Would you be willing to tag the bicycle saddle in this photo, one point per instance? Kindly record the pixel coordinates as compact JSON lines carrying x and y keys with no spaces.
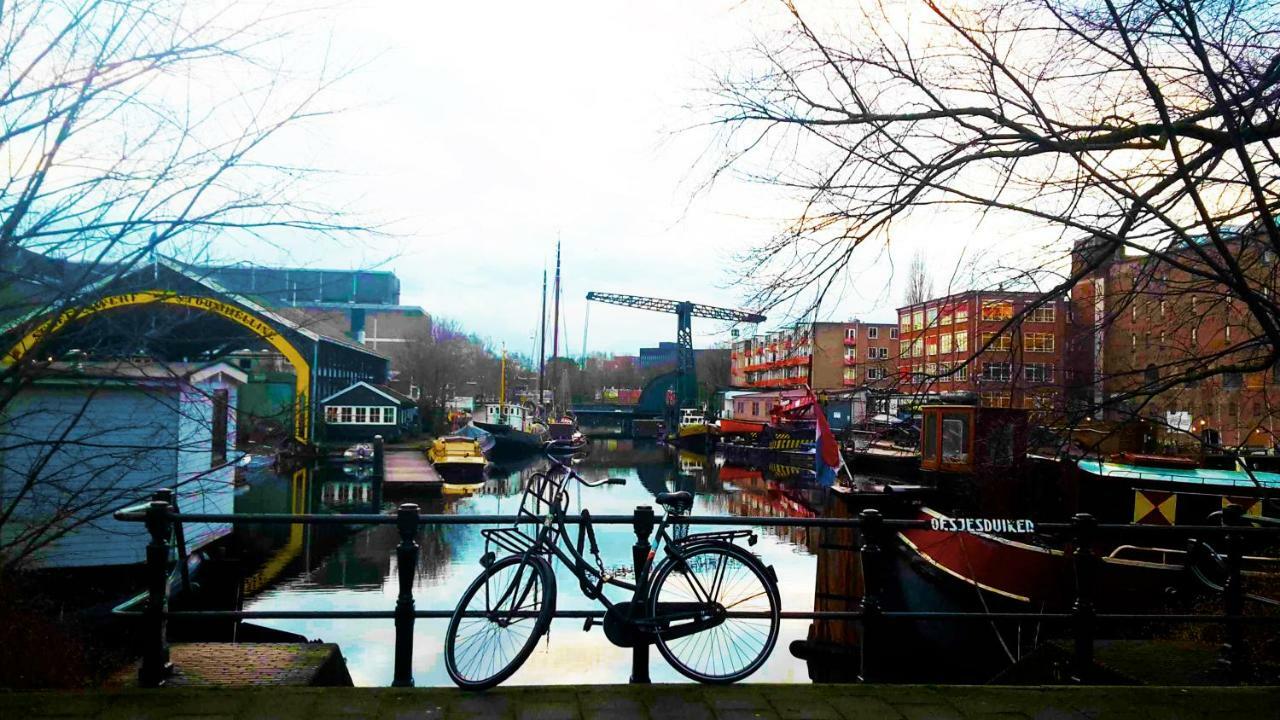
{"x":682,"y":500}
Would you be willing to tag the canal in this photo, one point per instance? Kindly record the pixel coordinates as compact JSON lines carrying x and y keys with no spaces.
{"x":330,"y":568}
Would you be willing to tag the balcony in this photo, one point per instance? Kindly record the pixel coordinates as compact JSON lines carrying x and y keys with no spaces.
{"x":850,"y":342}
{"x":850,"y":361}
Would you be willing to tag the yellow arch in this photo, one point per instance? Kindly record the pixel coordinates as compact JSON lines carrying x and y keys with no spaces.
{"x":261,"y":328}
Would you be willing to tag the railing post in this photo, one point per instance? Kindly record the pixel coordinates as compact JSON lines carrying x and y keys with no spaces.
{"x":1233,"y":655}
{"x":642,"y":522}
{"x":1085,"y":525}
{"x":179,"y":536}
{"x":870,"y":525}
{"x":155,"y":644}
{"x":379,"y":458}
{"x":406,"y":564}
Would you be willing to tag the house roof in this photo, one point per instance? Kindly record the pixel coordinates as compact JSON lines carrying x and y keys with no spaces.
{"x":383,"y":390}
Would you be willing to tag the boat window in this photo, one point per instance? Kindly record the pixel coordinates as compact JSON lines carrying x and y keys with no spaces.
{"x":955,"y":439}
{"x":929,"y":437}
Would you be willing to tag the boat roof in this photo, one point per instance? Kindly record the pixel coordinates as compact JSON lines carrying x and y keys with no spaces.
{"x":1196,"y":476}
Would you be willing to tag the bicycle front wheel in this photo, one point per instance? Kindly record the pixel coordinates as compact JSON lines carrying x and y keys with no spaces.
{"x":498,"y":621}
{"x":726,"y":575}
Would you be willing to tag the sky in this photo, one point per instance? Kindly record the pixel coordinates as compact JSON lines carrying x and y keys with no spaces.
{"x":476,"y":134}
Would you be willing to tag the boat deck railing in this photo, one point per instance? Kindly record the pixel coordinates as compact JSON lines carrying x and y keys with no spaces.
{"x":875,"y":533}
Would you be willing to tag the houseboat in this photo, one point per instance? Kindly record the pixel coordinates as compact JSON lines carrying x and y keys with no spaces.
{"x":514,"y":428}
{"x":458,"y":460}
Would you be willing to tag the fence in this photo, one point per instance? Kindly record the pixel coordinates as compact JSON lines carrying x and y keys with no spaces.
{"x":163,"y":522}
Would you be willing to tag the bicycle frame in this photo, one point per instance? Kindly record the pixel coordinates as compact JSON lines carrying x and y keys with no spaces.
{"x":545,"y":499}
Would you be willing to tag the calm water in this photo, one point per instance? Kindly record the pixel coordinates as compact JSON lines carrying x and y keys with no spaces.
{"x":324,"y":568}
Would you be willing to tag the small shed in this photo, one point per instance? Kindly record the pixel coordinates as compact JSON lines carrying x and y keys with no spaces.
{"x":359,"y":412}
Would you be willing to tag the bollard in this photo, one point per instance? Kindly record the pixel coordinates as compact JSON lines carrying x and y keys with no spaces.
{"x":870,"y":524}
{"x":379,"y":458}
{"x":155,"y":645}
{"x":642,"y":523}
{"x":1233,"y":656}
{"x":406,"y":564}
{"x":1082,"y":610}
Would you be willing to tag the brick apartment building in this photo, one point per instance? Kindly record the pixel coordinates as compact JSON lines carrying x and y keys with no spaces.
{"x":999,"y":345}
{"x":824,"y":355}
{"x":1141,"y":323}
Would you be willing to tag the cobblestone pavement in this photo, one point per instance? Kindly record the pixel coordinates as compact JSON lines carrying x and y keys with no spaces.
{"x":666,"y":702}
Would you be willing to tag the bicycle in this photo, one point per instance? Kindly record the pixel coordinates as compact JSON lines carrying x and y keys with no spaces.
{"x":711,"y":607}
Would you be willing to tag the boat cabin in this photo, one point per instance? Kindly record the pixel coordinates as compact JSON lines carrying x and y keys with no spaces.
{"x":970,"y":439}
{"x":513,"y":416}
{"x":361,"y":411}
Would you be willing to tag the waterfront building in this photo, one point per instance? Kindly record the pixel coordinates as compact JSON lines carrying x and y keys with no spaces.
{"x":98,"y":436}
{"x":823,"y":355}
{"x":1006,"y":348}
{"x":1144,"y":323}
{"x":358,"y":413}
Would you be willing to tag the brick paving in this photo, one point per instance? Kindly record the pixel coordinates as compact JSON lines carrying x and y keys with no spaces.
{"x":656,"y":702}
{"x":249,"y":664}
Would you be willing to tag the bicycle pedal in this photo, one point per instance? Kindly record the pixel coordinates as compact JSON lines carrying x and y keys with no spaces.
{"x":586,"y":624}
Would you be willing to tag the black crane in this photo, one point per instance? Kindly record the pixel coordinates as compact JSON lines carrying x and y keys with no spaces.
{"x":685,"y":311}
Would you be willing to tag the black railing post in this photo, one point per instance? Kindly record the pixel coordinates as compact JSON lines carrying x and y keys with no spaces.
{"x":1083,"y":611}
{"x":1233,"y":656}
{"x":155,"y":644}
{"x":171,"y":497}
{"x":870,"y":525}
{"x":642,"y":522}
{"x":379,"y":458}
{"x":406,"y":564}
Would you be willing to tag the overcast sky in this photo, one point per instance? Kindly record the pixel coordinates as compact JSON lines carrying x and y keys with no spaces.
{"x":479,"y":132}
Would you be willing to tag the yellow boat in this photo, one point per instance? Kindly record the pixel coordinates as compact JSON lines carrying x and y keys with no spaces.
{"x":458,"y":460}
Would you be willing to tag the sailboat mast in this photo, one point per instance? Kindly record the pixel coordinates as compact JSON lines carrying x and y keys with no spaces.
{"x":542,"y":334}
{"x":502,"y":380}
{"x":555,"y":315}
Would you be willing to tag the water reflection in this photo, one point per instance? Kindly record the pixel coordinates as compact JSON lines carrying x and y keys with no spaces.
{"x":317,"y":567}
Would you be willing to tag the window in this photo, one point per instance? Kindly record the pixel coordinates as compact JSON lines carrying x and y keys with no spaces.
{"x":872,"y":353}
{"x":740,"y":407}
{"x":873,"y":333}
{"x":851,"y":333}
{"x":1232,"y":380}
{"x":917,"y":373}
{"x":905,"y":322}
{"x":1038,"y":372}
{"x":349,"y":415}
{"x":945,"y":318}
{"x":962,"y":313}
{"x":962,"y":341}
{"x":755,"y":408}
{"x":1038,"y":342}
{"x":884,"y":353}
{"x":1003,"y":342}
{"x":1041,"y":315}
{"x":875,"y":373}
{"x":962,"y":373}
{"x":945,"y":342}
{"x":851,"y":373}
{"x":931,"y":317}
{"x":996,"y":371}
{"x":917,"y":347}
{"x":218,"y":433}
{"x":995,"y":400}
{"x":893,"y":333}
{"x":1151,"y":374}
{"x":944,"y":371}
{"x":917,"y":319}
{"x":931,"y":346}
{"x":1195,"y":336}
{"x":955,"y":438}
{"x":997,"y":310}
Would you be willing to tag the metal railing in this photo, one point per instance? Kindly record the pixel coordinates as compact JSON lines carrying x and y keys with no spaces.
{"x":163,"y":522}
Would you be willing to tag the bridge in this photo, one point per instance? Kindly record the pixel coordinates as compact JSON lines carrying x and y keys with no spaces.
{"x":166,"y":311}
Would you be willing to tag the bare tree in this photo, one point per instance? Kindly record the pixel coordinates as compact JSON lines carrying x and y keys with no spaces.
{"x":130,"y":128}
{"x":1121,"y":127}
{"x":919,"y":284}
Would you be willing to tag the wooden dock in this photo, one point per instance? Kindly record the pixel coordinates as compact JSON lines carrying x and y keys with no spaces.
{"x":408,"y":470}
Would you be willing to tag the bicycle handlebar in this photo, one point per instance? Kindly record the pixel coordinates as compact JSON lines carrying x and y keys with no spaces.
{"x":557,"y":464}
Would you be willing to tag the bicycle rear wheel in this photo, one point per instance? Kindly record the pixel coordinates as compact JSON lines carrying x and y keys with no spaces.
{"x":726,"y":575}
{"x":498,"y":621}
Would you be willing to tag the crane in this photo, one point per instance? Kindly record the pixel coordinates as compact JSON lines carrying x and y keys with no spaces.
{"x":685,"y":311}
